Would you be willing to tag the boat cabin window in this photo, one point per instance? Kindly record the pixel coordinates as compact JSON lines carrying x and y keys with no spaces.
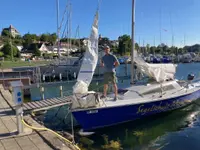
{"x":158,"y":89}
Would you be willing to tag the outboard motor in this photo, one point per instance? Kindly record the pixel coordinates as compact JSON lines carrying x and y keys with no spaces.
{"x":190,"y":77}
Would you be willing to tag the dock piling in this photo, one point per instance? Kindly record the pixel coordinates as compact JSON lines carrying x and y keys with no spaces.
{"x":42,"y":92}
{"x":61,"y":91}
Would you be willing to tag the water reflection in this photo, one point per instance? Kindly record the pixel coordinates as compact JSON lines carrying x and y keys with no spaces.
{"x":147,"y":133}
{"x":173,"y":130}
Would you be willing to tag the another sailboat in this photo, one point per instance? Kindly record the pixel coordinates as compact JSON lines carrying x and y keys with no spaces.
{"x":136,"y":101}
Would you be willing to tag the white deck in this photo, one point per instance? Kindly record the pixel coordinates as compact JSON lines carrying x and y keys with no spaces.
{"x":139,"y":94}
{"x":150,"y":93}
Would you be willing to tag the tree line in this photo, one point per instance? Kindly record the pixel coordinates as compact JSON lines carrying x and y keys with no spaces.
{"x":123,"y":47}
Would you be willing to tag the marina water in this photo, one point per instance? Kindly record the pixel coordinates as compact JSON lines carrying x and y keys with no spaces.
{"x":176,"y":130}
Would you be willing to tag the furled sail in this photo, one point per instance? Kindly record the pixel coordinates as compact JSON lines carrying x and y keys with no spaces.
{"x":89,"y":61}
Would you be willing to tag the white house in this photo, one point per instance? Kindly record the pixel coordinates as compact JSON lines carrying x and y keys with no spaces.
{"x":1,"y":46}
{"x":43,"y":48}
{"x":28,"y":52}
{"x":19,"y":48}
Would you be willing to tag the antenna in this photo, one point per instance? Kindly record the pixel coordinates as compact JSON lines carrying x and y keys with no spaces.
{"x":184,"y":40}
{"x":172,"y":30}
{"x":154,"y":45}
{"x":160,"y":24}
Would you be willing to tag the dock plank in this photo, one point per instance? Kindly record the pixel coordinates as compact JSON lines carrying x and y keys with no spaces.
{"x":47,"y":102}
{"x":38,"y":141}
{"x":54,"y":101}
{"x":35,"y":104}
{"x":1,"y":146}
{"x":31,"y":106}
{"x":9,"y":123}
{"x":3,"y":129}
{"x":42,"y":140}
{"x":25,"y":143}
{"x":57,"y":143}
{"x":26,"y":106}
{"x":50,"y":101}
{"x":43,"y":103}
{"x":39,"y":103}
{"x":10,"y":144}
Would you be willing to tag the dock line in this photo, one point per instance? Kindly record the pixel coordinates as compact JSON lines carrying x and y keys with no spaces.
{"x":36,"y":128}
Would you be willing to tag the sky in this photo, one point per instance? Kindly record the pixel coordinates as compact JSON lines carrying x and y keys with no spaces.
{"x":156,"y":21}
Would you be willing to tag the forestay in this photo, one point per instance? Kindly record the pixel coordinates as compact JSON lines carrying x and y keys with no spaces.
{"x":89,"y":61}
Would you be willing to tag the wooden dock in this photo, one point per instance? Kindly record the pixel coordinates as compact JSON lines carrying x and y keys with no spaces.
{"x":43,"y":140}
{"x":46,"y":104}
{"x":37,"y":105}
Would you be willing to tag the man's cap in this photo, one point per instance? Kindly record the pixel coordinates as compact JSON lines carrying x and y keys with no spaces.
{"x":107,"y":47}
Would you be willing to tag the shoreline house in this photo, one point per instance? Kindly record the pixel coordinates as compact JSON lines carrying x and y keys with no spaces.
{"x":1,"y":44}
{"x":19,"y":48}
{"x":65,"y":48}
{"x":31,"y":49}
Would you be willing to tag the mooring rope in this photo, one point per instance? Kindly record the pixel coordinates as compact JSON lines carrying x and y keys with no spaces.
{"x":55,"y":133}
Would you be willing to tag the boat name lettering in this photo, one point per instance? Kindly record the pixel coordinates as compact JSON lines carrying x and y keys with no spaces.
{"x":92,"y":111}
{"x":161,"y":107}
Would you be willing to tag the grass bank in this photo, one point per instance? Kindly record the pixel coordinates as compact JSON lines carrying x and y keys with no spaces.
{"x":11,"y":64}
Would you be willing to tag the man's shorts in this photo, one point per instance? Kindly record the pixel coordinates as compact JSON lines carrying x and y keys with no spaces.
{"x":110,"y":77}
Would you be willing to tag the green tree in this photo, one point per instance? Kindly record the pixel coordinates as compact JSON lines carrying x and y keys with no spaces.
{"x":1,"y":54}
{"x":137,"y":47}
{"x":29,"y":39}
{"x":124,"y":44}
{"x":180,"y":51}
{"x":9,"y":50}
{"x":52,"y":38}
{"x":36,"y":50}
{"x":166,"y":49}
{"x":44,"y":37}
{"x":152,"y":49}
{"x":5,"y":32}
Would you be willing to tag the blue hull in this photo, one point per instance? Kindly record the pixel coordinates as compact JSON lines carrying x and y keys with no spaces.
{"x":91,"y":119}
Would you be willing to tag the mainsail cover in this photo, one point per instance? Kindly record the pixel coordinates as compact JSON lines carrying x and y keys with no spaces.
{"x":89,"y":61}
{"x":160,"y":72}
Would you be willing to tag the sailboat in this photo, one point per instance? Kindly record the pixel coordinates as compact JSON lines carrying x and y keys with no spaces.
{"x":135,"y":101}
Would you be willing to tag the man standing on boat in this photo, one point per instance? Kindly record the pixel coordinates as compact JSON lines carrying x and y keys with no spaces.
{"x":109,"y":62}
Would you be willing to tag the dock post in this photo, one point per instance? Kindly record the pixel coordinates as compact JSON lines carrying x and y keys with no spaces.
{"x":74,"y":75}
{"x":17,"y":95}
{"x":61,"y":91}
{"x":43,"y":77}
{"x":42,"y":92}
{"x":60,"y":75}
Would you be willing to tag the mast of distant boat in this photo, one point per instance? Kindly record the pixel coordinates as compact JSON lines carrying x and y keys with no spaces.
{"x":58,"y":30}
{"x":133,"y":42}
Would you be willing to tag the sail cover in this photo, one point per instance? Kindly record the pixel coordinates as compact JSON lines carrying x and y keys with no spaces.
{"x":89,"y":61}
{"x":160,"y":72}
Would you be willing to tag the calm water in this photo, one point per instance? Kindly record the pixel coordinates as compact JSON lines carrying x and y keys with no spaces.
{"x":176,"y":130}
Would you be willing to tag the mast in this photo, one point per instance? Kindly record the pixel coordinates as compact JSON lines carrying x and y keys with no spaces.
{"x":70,"y":16}
{"x":58,"y":31}
{"x":133,"y":42}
